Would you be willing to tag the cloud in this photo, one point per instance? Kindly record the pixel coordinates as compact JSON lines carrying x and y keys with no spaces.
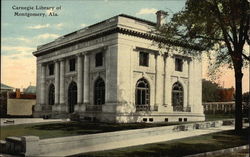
{"x":83,"y":25}
{"x":18,"y":39}
{"x":39,"y":26}
{"x":145,"y":11}
{"x":24,"y":39}
{"x":59,"y":25}
{"x":47,"y":36}
{"x":17,"y":49}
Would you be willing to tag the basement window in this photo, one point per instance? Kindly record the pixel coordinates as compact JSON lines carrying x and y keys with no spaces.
{"x":151,"y":119}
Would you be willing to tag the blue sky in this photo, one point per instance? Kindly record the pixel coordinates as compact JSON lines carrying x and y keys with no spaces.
{"x":21,"y":35}
{"x":72,"y":16}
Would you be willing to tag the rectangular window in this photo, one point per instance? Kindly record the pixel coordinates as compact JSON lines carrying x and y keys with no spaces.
{"x":99,"y":59}
{"x":72,"y":64}
{"x":143,"y":59}
{"x":51,"y":69}
{"x":178,"y":64}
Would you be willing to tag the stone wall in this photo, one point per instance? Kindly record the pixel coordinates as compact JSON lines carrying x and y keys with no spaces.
{"x":20,"y":107}
{"x":33,"y":146}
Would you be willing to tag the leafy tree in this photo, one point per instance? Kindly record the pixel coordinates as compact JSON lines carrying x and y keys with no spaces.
{"x":218,"y":26}
{"x":210,"y":91}
{"x":246,"y":99}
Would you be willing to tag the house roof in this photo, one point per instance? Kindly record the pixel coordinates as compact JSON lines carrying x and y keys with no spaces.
{"x":30,"y":90}
{"x":3,"y":86}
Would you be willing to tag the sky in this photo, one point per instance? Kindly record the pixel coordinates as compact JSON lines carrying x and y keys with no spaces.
{"x":20,"y":35}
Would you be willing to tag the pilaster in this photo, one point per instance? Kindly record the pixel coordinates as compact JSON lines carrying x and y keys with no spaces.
{"x":86,"y":79}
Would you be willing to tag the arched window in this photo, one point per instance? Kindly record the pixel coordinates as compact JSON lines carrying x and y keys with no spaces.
{"x":51,"y":94}
{"x":142,"y":95}
{"x":177,"y":97}
{"x":99,"y":92}
{"x":72,"y":96}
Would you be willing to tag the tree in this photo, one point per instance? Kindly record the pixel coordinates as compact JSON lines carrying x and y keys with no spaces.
{"x":218,"y":26}
{"x":210,"y":91}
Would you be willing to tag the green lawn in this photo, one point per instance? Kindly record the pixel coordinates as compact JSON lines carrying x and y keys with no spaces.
{"x":51,"y":130}
{"x":211,"y":117}
{"x":55,"y":129}
{"x":181,"y":147}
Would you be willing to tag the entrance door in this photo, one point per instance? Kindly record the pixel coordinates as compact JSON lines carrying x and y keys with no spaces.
{"x":72,"y":96}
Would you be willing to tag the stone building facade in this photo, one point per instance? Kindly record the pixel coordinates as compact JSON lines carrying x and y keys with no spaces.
{"x":113,"y":71}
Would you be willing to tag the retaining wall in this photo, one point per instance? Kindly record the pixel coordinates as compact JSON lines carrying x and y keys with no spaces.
{"x":33,"y":146}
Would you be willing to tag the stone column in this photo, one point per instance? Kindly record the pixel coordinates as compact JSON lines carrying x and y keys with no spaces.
{"x":190,"y":84}
{"x":86,"y":79}
{"x":62,"y":71}
{"x":157,"y":77}
{"x":165,"y":81}
{"x":107,"y":70}
{"x":79,"y":79}
{"x":43,"y":76}
{"x":57,"y":81}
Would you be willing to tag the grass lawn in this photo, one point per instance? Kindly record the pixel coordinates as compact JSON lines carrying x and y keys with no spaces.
{"x":51,"y":130}
{"x":60,"y":129}
{"x":181,"y":147}
{"x":211,"y":117}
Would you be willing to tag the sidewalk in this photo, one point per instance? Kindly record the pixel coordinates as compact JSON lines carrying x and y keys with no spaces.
{"x":141,"y":141}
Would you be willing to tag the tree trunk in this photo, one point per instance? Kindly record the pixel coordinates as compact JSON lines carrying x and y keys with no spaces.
{"x":238,"y":97}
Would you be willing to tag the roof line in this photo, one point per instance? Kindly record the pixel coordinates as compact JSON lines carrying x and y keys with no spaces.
{"x":122,"y":15}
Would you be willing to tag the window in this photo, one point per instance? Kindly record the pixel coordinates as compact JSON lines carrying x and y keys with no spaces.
{"x":142,"y":95}
{"x":177,"y":97}
{"x":51,"y":69}
{"x":143,"y":59}
{"x":72,"y":96}
{"x":72,"y":64}
{"x":51,"y":94}
{"x":99,"y":92}
{"x":99,"y":59}
{"x":178,"y":64}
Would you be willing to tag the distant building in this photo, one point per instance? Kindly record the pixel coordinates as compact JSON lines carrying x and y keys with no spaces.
{"x":18,"y":104}
{"x":30,"y":90}
{"x":226,"y":94}
{"x":6,"y":88}
{"x":113,"y":72}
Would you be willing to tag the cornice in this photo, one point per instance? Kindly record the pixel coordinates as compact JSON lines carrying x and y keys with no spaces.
{"x":74,"y":42}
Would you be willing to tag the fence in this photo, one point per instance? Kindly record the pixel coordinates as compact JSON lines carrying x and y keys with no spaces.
{"x":223,"y":107}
